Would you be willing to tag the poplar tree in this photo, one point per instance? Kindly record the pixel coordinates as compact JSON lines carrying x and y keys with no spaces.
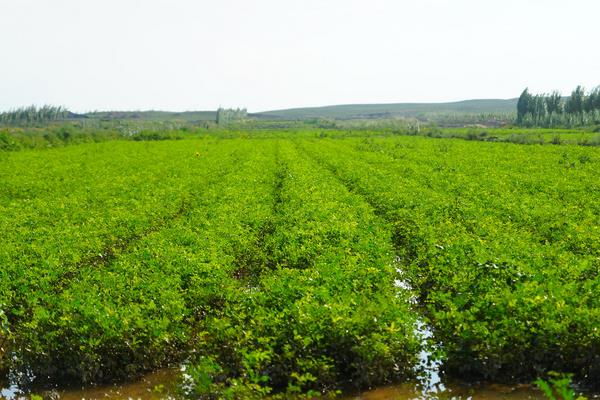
{"x":593,"y":99}
{"x":524,"y":105}
{"x":575,"y":101}
{"x":554,"y":103}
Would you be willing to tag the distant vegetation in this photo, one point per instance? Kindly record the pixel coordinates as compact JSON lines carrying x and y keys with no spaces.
{"x":581,"y":108}
{"x":552,"y":110}
{"x":225,"y":115}
{"x":424,"y":111}
{"x":72,"y":133}
{"x":453,"y":114}
{"x":33,"y":115}
{"x":66,"y":133}
{"x":153,"y":115}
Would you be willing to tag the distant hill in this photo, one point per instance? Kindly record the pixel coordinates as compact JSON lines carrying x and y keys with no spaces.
{"x":344,"y":111}
{"x":373,"y":111}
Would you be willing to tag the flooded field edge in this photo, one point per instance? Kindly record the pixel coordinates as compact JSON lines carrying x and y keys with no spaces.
{"x":163,"y":384}
{"x":166,"y":384}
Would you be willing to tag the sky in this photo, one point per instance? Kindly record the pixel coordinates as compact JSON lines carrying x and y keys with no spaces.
{"x":183,"y":55}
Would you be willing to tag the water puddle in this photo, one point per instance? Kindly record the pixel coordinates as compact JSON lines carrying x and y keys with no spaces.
{"x":163,"y":385}
{"x":451,"y":392}
{"x":13,"y":388}
{"x":429,"y":382}
{"x":158,"y":385}
{"x":428,"y":369}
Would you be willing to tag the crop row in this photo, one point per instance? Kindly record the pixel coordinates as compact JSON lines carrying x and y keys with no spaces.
{"x":320,"y":310}
{"x":500,"y":242}
{"x":247,"y":260}
{"x":269,"y":265}
{"x":88,"y":205}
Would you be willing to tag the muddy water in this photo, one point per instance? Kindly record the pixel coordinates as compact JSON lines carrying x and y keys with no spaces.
{"x":157,"y":385}
{"x":489,"y":392}
{"x":162,"y":385}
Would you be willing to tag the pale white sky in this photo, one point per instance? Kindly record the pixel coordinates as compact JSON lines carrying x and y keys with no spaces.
{"x":270,"y":54}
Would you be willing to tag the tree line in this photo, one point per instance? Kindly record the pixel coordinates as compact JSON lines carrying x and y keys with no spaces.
{"x":580,"y":108}
{"x":225,"y":115}
{"x":33,"y":115}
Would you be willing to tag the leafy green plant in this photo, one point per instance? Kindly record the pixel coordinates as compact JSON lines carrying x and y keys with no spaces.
{"x":271,"y":261}
{"x":559,"y":387}
{"x":502,"y":283}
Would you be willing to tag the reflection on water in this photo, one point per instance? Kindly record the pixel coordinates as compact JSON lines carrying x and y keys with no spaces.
{"x":155,"y":386}
{"x":488,"y":392}
{"x":428,"y":368}
{"x":429,"y":382}
{"x":13,"y":388}
{"x":10,"y":392}
{"x":163,"y":385}
{"x":158,"y":385}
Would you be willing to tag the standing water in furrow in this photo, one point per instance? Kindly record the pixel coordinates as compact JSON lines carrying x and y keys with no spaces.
{"x":427,"y":370}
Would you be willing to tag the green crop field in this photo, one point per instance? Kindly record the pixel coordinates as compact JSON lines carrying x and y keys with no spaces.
{"x":290,"y":264}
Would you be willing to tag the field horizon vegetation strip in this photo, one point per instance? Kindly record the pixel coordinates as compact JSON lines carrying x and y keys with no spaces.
{"x":268,"y":262}
{"x":61,"y":134}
